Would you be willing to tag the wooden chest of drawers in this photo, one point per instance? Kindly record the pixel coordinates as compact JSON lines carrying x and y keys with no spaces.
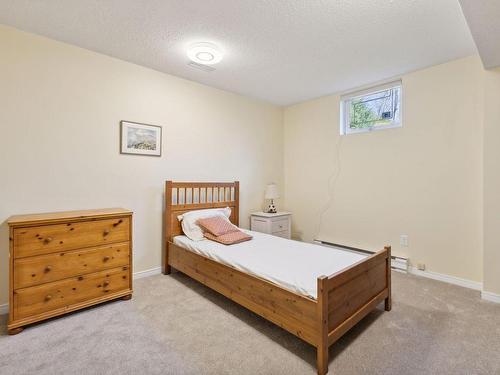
{"x":65,"y":261}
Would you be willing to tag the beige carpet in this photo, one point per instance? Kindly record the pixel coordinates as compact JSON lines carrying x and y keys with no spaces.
{"x":174,"y":325}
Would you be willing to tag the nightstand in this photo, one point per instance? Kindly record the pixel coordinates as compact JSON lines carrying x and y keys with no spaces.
{"x":278,"y":224}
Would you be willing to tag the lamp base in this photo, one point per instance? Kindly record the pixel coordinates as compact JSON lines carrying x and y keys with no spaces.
{"x":271,"y":209}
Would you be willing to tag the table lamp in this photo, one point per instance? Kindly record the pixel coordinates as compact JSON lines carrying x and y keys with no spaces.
{"x":272,"y":194}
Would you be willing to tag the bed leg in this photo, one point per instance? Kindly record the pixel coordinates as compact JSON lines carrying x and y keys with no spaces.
{"x":388,"y":304}
{"x":322,"y":359}
{"x":166,"y":269}
{"x":322,"y":316}
{"x":388,"y":300}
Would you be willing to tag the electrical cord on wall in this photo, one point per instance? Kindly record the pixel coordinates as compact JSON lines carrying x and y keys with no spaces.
{"x":332,"y":181}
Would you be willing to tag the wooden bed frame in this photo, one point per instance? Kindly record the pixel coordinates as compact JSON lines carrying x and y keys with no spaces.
{"x":344,"y":298}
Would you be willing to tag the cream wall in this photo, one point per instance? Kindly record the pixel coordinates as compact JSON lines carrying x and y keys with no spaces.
{"x":59,"y":119}
{"x":492,"y":182}
{"x":423,"y":180}
{"x":61,"y":107}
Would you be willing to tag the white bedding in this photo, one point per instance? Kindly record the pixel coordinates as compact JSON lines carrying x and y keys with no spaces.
{"x":290,"y":264}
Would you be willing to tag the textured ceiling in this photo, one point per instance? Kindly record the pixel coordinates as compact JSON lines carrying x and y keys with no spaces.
{"x":483,"y":17}
{"x":281,"y":51}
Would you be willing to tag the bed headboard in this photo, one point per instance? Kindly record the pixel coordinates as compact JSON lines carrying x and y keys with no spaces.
{"x":182,"y":197}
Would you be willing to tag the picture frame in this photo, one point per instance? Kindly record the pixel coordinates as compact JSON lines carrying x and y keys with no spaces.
{"x":140,"y":139}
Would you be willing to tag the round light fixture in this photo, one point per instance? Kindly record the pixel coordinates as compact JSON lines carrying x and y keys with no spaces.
{"x":204,"y":53}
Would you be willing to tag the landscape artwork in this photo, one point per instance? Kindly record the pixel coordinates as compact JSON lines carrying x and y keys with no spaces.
{"x":140,"y":139}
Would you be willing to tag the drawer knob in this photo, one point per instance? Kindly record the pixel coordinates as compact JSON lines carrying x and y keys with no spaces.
{"x":106,"y":258}
{"x":48,"y":269}
{"x":118,"y":223}
{"x":48,"y":240}
{"x":48,"y":297}
{"x":105,"y":283}
{"x":106,"y":232}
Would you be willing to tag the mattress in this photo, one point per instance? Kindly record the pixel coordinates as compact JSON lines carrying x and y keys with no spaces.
{"x":292,"y":265}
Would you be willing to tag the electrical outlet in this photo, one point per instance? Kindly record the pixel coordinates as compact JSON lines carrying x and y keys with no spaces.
{"x":403,"y":240}
{"x":421,"y":266}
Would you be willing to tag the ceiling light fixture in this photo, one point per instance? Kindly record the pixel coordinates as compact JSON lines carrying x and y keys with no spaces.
{"x":204,"y":53}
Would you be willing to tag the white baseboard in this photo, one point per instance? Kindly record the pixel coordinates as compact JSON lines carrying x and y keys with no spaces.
{"x":147,"y":273}
{"x":447,"y":279}
{"x":4,"y":309}
{"x":492,"y":297}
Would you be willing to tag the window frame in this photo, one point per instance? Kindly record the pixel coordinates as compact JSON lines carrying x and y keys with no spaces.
{"x":345,"y":103}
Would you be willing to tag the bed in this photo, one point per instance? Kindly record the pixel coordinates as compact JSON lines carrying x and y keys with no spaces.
{"x":317,"y":302}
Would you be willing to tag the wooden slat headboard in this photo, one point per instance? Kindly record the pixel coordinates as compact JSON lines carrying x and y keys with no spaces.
{"x":182,"y":197}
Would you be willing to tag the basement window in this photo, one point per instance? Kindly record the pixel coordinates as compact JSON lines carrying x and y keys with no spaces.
{"x":375,"y":108}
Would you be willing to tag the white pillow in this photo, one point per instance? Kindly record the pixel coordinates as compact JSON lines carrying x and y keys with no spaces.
{"x":188,"y":221}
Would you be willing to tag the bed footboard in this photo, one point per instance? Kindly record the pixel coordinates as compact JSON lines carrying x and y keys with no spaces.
{"x":344,"y":298}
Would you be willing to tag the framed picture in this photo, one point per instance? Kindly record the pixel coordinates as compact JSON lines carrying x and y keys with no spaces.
{"x":140,"y":139}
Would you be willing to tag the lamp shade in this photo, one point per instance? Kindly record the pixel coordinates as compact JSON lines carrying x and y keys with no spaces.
{"x":272,"y":192}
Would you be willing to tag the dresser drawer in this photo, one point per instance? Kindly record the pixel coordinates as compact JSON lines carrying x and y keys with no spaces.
{"x":56,"y":266}
{"x":279,"y":225}
{"x":59,"y":237}
{"x":39,"y":299}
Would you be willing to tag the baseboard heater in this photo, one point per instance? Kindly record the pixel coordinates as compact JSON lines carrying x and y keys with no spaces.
{"x":397,"y":263}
